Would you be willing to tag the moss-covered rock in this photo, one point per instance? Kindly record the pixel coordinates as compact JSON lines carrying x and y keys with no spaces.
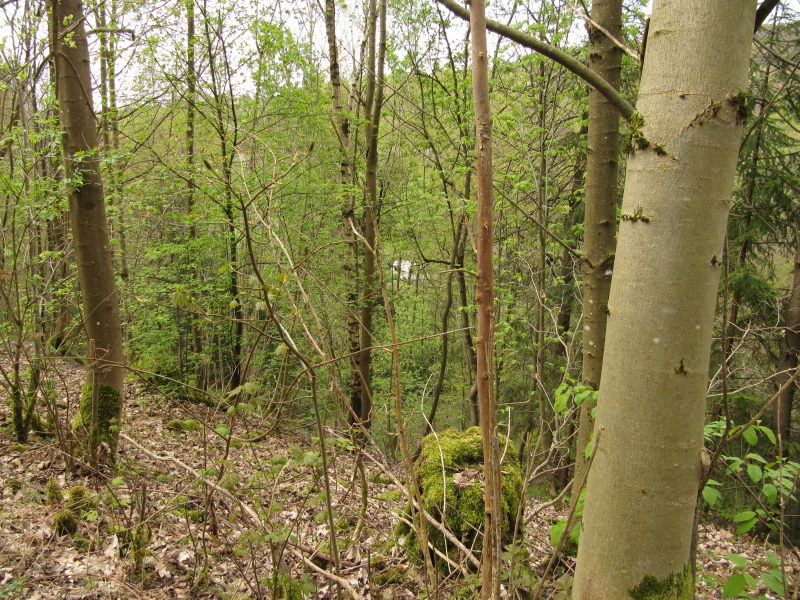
{"x":53,"y":492}
{"x":450,"y":473}
{"x":109,"y":411}
{"x":79,"y":499}
{"x":66,"y":522}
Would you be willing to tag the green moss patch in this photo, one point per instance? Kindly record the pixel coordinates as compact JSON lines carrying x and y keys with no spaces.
{"x":109,"y":410}
{"x":678,"y":586}
{"x":66,"y":522}
{"x":450,"y":472}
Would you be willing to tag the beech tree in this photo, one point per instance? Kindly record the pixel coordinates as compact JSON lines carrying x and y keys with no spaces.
{"x":101,"y":403}
{"x":600,"y":214}
{"x":642,"y":486}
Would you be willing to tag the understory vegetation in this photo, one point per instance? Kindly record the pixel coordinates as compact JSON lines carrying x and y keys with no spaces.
{"x":295,"y":259}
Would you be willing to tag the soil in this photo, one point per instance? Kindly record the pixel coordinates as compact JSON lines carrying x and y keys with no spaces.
{"x":190,"y":512}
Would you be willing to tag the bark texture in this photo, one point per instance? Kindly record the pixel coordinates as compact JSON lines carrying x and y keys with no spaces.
{"x":642,"y":487}
{"x":490,"y":556}
{"x":600,"y":221}
{"x":787,"y":363}
{"x":346,"y":178}
{"x":87,"y":210}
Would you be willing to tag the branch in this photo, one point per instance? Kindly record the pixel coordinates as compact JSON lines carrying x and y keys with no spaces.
{"x":767,"y":6}
{"x":570,"y":63}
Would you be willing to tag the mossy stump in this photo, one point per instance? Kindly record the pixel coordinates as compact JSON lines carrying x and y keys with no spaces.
{"x":450,"y":474}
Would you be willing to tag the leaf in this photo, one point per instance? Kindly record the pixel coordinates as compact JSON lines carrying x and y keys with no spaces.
{"x":770,"y":492}
{"x":745,"y":515}
{"x":711,"y":495}
{"x":746,"y":526}
{"x":556,"y":531}
{"x":222,"y":429}
{"x":735,"y":585}
{"x":774,"y":580}
{"x":756,"y":457}
{"x":575,"y":534}
{"x":737,"y":559}
{"x":561,"y":399}
{"x":750,"y":436}
{"x":770,"y":436}
{"x":754,"y":473}
{"x":581,"y":398}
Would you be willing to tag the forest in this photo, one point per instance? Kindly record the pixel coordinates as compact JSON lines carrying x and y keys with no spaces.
{"x":399,"y":299}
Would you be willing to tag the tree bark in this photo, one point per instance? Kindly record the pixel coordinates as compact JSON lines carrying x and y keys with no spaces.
{"x":88,"y":219}
{"x":374,"y":104}
{"x":600,"y":221}
{"x":346,"y":178}
{"x":490,"y":554}
{"x":642,"y":487}
{"x":789,"y":349}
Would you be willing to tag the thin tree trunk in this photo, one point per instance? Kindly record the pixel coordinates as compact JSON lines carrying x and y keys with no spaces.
{"x":642,"y":486}
{"x":374,"y":104}
{"x":490,"y":555}
{"x":346,"y":178}
{"x":439,"y":385}
{"x":789,"y":348}
{"x":600,"y":220}
{"x":88,"y":218}
{"x":201,"y":375}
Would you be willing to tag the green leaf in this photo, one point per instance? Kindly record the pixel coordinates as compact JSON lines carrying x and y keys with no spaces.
{"x":556,"y":531}
{"x":581,"y":398}
{"x":737,"y":559}
{"x":575,"y":534}
{"x":750,"y":436}
{"x":745,"y":515}
{"x":711,"y":495}
{"x":735,"y":586}
{"x":756,"y":457}
{"x":561,"y":399}
{"x":746,"y":526}
{"x":770,"y":436}
{"x":223,"y":429}
{"x":770,"y":492}
{"x":774,"y":580}
{"x":754,"y":473}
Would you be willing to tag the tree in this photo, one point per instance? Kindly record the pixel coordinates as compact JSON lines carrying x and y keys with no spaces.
{"x":101,"y":404}
{"x":642,"y":487}
{"x":484,"y":298}
{"x":600,"y":217}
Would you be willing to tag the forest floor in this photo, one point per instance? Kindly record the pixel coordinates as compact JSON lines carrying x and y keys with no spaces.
{"x":188,"y":514}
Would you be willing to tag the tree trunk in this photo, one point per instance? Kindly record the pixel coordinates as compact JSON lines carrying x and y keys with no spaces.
{"x":89,"y":224}
{"x":374,"y":104}
{"x":346,"y":178}
{"x":789,"y":348}
{"x":600,"y":217}
{"x":490,"y":554}
{"x":642,"y":487}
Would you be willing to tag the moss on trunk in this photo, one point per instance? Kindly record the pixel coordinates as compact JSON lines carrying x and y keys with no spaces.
{"x":678,"y":586}
{"x":109,"y":410}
